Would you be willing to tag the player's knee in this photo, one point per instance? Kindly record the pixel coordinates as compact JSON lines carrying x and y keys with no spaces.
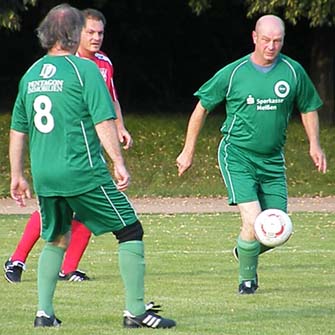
{"x":132,"y":232}
{"x":62,"y":241}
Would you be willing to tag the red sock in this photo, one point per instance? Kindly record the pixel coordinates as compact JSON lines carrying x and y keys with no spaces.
{"x":80,"y":236}
{"x":29,"y":237}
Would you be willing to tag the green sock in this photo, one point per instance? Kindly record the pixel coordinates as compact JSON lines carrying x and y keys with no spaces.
{"x":49,"y":265}
{"x":264,"y":248}
{"x":132,"y":268}
{"x":248,"y":252}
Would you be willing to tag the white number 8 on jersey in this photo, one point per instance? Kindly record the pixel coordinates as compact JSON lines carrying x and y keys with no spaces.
{"x":43,"y":119}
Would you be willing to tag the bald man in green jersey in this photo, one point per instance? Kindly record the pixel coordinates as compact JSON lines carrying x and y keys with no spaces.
{"x":260,"y":92}
{"x":63,"y":105}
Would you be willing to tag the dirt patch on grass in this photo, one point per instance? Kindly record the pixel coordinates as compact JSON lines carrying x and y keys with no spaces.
{"x":188,"y":205}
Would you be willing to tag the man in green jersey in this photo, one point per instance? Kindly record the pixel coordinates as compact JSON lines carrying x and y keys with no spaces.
{"x":63,"y":105}
{"x":260,"y":92}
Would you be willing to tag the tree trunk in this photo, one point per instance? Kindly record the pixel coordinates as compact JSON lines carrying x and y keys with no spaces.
{"x":322,"y":70}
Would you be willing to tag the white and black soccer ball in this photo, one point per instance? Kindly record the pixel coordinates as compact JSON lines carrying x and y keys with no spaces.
{"x":273,"y":227}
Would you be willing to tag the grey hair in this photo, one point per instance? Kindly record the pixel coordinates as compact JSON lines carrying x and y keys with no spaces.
{"x":62,"y":25}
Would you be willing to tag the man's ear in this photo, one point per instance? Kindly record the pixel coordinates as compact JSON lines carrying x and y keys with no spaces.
{"x":254,"y":36}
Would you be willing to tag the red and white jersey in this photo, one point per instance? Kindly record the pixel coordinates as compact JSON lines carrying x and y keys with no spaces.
{"x":106,"y":69}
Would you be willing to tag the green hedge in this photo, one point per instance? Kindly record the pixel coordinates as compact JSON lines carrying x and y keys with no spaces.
{"x":158,"y":139}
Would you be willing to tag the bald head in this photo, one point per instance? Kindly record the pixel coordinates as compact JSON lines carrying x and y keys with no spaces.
{"x":270,"y":22}
{"x":268,"y":38}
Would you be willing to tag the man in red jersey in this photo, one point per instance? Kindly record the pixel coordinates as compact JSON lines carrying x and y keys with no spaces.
{"x":90,"y":43}
{"x":91,"y":40}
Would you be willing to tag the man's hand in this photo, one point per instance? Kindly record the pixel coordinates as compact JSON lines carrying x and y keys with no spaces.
{"x":183,"y":162}
{"x":185,"y":159}
{"x":122,"y":177}
{"x":319,"y":158}
{"x":125,"y":138}
{"x":310,"y":121}
{"x":19,"y":190}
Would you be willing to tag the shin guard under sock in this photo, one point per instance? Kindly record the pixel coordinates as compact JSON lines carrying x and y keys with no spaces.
{"x":132,"y":268}
{"x":49,"y":265}
{"x":248,"y":252}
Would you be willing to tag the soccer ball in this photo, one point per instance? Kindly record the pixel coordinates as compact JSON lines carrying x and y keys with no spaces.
{"x":273,"y":227}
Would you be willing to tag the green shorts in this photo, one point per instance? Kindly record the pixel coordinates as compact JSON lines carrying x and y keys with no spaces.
{"x":102,"y":210}
{"x":253,"y":177}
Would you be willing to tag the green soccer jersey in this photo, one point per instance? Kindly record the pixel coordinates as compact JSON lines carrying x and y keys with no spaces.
{"x":60,"y":100}
{"x":258,"y":104}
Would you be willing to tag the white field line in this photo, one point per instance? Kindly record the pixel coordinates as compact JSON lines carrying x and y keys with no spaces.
{"x":223,"y":252}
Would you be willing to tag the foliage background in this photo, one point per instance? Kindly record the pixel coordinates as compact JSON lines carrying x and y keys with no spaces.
{"x":158,"y":139}
{"x":161,"y":50}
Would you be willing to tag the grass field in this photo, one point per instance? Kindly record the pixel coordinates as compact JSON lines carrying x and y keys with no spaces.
{"x":191,"y":272}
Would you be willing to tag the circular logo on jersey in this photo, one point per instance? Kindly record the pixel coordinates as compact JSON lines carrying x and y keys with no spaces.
{"x":282,"y":89}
